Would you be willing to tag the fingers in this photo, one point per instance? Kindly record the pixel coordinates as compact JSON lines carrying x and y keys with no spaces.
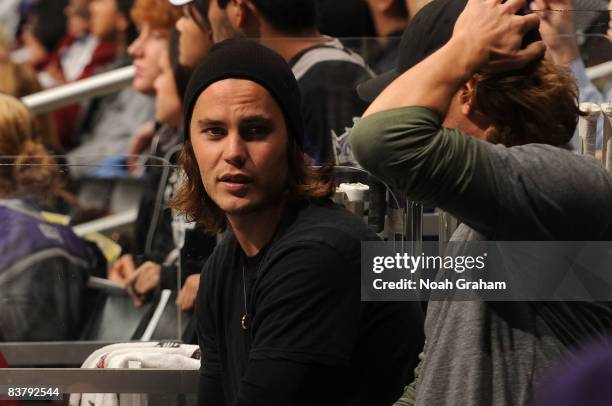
{"x":121,"y":269}
{"x":130,"y":284}
{"x":534,"y":51}
{"x":148,"y":278}
{"x":529,"y":22}
{"x":187,"y":296}
{"x":514,"y":6}
{"x":518,"y":60}
{"x":137,"y":302}
{"x":186,"y":299}
{"x":539,"y":5}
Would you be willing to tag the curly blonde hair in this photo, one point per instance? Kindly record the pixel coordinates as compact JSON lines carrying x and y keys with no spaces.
{"x":26,"y":168}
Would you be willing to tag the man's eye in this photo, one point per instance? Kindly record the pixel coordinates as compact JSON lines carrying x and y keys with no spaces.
{"x":254,"y":131}
{"x":214,"y":132}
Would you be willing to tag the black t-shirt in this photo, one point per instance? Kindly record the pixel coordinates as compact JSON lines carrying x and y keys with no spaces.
{"x":305,"y":316}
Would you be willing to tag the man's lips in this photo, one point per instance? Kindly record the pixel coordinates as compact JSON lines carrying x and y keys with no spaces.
{"x":236,"y":179}
{"x":236,"y":184}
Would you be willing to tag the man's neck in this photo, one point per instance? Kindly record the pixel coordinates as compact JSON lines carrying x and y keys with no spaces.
{"x":255,"y":230}
{"x":289,"y":45}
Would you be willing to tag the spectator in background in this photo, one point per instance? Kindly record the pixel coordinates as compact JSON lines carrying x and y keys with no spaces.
{"x":559,"y":33}
{"x":44,"y":266}
{"x":196,"y":36}
{"x":390,"y":18}
{"x":45,"y":27}
{"x":326,"y":71}
{"x":348,"y":20}
{"x":9,"y":19}
{"x":79,"y":53}
{"x":110,"y":22}
{"x":20,"y":80}
{"x":108,"y":123}
{"x":78,"y":56}
{"x":154,"y":19}
{"x":471,"y":76}
{"x":153,"y":246}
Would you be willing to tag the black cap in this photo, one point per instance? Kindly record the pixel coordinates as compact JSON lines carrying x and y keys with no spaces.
{"x":240,"y":58}
{"x":428,"y":31}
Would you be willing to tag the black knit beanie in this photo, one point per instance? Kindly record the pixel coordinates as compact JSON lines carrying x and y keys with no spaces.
{"x":240,"y":58}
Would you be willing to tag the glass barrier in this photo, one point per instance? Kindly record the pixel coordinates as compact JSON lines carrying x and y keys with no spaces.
{"x":103,"y":258}
{"x":93,"y":258}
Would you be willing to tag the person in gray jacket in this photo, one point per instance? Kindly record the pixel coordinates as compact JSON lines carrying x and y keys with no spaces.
{"x":430,"y":134}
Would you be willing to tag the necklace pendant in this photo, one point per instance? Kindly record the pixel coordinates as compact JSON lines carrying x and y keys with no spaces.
{"x":244,"y":323}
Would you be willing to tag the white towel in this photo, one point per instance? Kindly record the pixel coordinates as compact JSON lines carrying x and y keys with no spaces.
{"x":162,"y":355}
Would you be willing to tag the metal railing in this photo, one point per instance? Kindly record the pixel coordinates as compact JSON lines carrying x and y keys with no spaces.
{"x":65,"y":95}
{"x":599,"y":71}
{"x":49,"y":353}
{"x":126,"y":380}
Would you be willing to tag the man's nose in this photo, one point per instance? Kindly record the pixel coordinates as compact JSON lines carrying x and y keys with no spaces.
{"x":235,"y":151}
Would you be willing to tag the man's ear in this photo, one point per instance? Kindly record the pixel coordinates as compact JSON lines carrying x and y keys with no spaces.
{"x":384,"y":5}
{"x":240,"y":12}
{"x":466,"y":97}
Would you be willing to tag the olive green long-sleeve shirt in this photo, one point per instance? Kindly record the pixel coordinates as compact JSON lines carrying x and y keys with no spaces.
{"x":534,"y":191}
{"x":491,"y":353}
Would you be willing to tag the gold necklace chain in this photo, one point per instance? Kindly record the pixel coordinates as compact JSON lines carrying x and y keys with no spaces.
{"x":244,"y":321}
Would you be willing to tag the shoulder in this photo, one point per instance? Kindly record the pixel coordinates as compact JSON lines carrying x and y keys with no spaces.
{"x":548,"y":165}
{"x":331,"y":61}
{"x":567,"y":190}
{"x":46,"y":238}
{"x":323,"y":225}
{"x":223,"y":252}
{"x":336,"y":73}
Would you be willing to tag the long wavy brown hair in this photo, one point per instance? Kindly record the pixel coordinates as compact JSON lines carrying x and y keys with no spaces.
{"x":304,"y":182}
{"x":537,"y":104}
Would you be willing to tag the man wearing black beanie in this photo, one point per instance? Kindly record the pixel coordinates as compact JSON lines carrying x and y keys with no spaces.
{"x":279,"y":316}
{"x":327,"y":72}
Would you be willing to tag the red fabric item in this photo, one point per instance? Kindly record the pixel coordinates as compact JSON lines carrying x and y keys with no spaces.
{"x":4,"y":364}
{"x":65,"y":118}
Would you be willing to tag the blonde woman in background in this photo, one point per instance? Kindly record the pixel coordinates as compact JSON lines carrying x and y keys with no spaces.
{"x":43,"y":265}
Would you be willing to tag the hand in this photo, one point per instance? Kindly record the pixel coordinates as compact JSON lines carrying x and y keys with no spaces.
{"x":557,"y":29}
{"x":187,"y":296}
{"x":55,"y":72}
{"x":122,"y":269}
{"x":490,"y":33}
{"x":141,"y":140}
{"x":143,"y":280}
